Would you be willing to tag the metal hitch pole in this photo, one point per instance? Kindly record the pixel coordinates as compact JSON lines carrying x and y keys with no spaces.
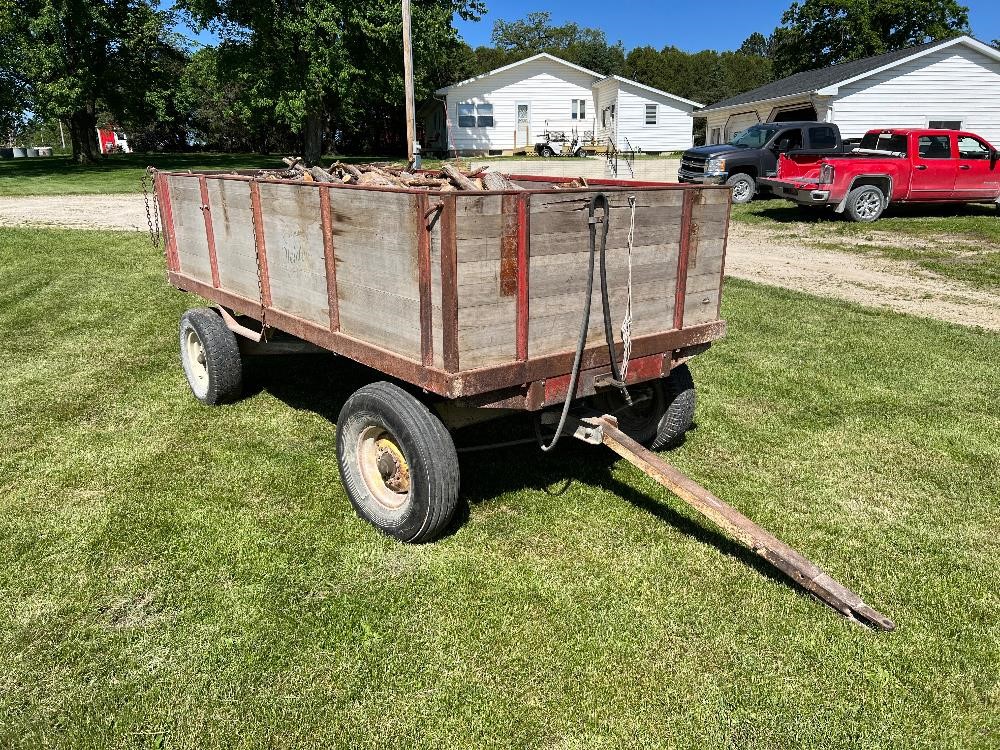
{"x":808,"y":575}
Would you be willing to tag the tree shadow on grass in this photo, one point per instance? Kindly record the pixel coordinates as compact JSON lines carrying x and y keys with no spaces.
{"x":321,"y":384}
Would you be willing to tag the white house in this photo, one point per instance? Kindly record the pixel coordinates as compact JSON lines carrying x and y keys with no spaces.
{"x":507,"y":109}
{"x":952,"y":84}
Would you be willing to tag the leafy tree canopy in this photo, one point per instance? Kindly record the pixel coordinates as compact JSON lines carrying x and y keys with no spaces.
{"x":818,"y":33}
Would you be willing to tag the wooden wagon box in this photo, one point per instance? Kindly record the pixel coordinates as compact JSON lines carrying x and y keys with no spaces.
{"x":475,"y":296}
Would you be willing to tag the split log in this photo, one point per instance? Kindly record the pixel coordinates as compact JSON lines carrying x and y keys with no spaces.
{"x":321,"y":175}
{"x":349,"y":169}
{"x":497,"y":181}
{"x":374,"y":178}
{"x":458,"y":179}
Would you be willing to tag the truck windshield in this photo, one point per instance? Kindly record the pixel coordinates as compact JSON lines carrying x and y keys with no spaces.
{"x":884,"y":142}
{"x":755,"y":136}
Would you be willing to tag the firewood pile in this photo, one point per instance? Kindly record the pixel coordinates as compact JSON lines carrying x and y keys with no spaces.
{"x":448,"y":178}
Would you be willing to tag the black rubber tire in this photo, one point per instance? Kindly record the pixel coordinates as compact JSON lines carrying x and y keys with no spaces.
{"x":221,"y":373}
{"x":854,"y":211}
{"x":667,"y":410}
{"x":679,"y":414}
{"x":741,"y":196}
{"x":427,"y":508}
{"x":547,"y":152}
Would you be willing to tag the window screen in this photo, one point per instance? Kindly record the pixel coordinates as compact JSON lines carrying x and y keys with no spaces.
{"x":934,"y":147}
{"x":650,"y":114}
{"x":822,"y":137}
{"x":467,"y":115}
{"x":944,"y":124}
{"x":579,"y":109}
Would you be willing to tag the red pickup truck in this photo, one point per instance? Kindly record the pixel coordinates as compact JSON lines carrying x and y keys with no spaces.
{"x":896,"y":165}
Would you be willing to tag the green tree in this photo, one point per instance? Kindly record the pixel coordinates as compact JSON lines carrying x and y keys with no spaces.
{"x":818,"y":33}
{"x":588,"y":47}
{"x":75,"y":58}
{"x":323,"y":66}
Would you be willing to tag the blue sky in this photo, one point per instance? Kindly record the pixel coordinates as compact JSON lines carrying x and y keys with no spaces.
{"x":683,"y":24}
{"x":659,"y":23}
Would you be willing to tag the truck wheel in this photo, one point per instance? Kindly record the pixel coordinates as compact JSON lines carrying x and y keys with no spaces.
{"x":397,"y":462}
{"x":865,"y":203}
{"x":661,"y":412}
{"x":210,"y":356}
{"x":744,"y":187}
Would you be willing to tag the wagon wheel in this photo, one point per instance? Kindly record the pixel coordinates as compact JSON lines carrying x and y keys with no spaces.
{"x":210,"y":356}
{"x":397,"y":462}
{"x":661,"y":411}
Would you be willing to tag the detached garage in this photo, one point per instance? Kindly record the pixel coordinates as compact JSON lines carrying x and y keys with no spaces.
{"x":952,"y":84}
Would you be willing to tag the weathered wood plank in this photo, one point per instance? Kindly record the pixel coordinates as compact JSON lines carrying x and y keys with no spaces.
{"x":293,"y":234}
{"x":234,"y":241}
{"x":189,"y":227}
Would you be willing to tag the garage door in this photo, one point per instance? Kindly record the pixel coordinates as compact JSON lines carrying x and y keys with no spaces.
{"x":740,"y":122}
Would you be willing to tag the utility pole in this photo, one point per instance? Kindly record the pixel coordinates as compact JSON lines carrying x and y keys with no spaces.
{"x":411,"y":128}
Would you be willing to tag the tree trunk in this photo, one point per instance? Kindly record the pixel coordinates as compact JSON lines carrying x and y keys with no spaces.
{"x":83,"y":134}
{"x":313,"y":137}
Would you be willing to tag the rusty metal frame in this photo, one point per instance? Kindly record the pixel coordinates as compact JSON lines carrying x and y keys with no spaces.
{"x":683,"y":257}
{"x":206,"y":212}
{"x":162,"y":189}
{"x":329,"y":258}
{"x":424,"y":283}
{"x":258,"y":230}
{"x":449,"y":284}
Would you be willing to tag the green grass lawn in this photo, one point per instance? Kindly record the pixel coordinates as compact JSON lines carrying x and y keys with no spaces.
{"x":121,"y":173}
{"x":958,"y":241}
{"x":177,"y":576}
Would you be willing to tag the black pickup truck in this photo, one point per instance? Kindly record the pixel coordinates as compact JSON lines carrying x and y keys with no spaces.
{"x":753,"y":153}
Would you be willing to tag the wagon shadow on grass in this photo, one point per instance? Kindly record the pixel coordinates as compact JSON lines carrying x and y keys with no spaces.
{"x":322,"y":384}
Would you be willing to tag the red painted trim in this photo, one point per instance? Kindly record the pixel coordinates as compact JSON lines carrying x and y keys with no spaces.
{"x":167,"y":217}
{"x":258,"y":229}
{"x":683,"y":254}
{"x":329,"y":258}
{"x":424,"y":280}
{"x":206,"y":211}
{"x":523,"y":256}
{"x":451,"y":385}
{"x":449,"y":284}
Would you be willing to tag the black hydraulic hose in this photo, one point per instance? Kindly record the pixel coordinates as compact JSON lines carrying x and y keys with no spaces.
{"x":581,"y":342}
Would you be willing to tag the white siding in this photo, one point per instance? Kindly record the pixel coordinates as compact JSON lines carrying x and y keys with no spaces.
{"x":547,"y":86}
{"x":954,"y":83}
{"x":674,"y":128}
{"x":606,"y":94}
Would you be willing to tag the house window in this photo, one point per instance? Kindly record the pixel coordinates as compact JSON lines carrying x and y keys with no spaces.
{"x":579,"y":109}
{"x":944,"y":124}
{"x":472,"y":115}
{"x":935,"y":147}
{"x":651,"y":114}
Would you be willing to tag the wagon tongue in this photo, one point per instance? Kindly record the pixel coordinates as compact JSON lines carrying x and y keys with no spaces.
{"x":808,"y":575}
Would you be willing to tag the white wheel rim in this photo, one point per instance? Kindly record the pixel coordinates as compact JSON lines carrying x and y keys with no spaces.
{"x":196,"y":360}
{"x":383,"y":467}
{"x":868,"y":205}
{"x":741,"y":191}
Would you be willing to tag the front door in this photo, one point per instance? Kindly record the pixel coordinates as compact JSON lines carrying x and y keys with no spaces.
{"x":522,"y":133}
{"x":978,"y":174}
{"x":935,"y":168}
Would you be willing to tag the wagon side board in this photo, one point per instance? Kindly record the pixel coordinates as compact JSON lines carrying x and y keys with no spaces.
{"x":474,"y":296}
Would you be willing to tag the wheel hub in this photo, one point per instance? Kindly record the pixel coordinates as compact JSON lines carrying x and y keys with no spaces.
{"x":383,"y":467}
{"x":196,"y":357}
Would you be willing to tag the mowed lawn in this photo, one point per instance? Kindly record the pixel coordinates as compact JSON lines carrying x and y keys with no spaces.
{"x":177,"y":576}
{"x":122,"y":173}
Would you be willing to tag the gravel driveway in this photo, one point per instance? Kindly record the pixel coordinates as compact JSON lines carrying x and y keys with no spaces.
{"x":753,"y":254}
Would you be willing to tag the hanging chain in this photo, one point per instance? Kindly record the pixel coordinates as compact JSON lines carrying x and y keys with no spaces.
{"x":155,"y":233}
{"x":627,"y":321}
{"x":260,"y":269}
